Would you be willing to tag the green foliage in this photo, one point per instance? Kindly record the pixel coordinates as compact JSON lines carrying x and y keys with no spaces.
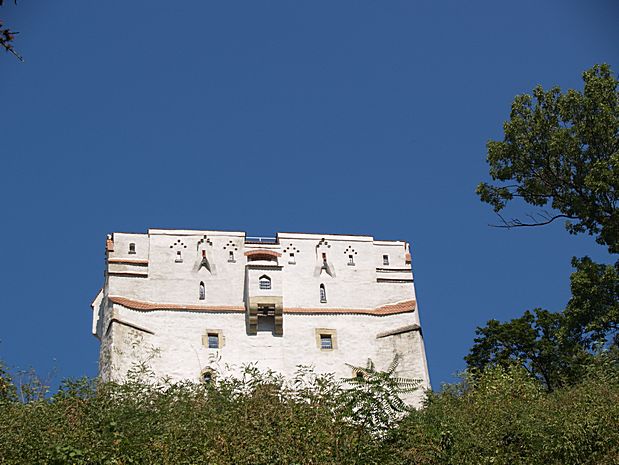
{"x":8,"y":392}
{"x":593,"y":311}
{"x":534,"y":341}
{"x":375,"y":401}
{"x":557,"y":347}
{"x":502,"y":416}
{"x":257,"y":418}
{"x":562,"y":150}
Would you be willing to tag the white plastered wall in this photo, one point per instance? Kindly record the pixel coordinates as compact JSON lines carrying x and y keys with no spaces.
{"x":178,"y":334}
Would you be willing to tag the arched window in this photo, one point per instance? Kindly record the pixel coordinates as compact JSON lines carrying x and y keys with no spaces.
{"x":202,"y":291}
{"x":265,"y":282}
{"x":323,"y":294}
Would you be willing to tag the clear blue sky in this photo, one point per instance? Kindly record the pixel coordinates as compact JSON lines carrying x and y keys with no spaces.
{"x":362,"y":117}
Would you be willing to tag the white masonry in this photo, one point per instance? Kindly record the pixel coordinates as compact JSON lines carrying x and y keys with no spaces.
{"x":198,"y":304}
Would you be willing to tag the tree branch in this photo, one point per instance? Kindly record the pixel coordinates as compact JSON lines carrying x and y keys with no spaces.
{"x":516,"y":223}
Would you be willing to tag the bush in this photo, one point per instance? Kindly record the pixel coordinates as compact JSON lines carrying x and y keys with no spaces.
{"x":506,"y":417}
{"x":502,"y":416}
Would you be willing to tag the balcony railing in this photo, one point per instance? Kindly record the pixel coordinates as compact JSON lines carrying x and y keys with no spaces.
{"x":260,"y":240}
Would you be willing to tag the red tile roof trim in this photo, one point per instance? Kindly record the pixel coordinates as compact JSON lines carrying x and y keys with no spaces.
{"x":149,"y":306}
{"x":390,"y":309}
{"x":128,"y":261}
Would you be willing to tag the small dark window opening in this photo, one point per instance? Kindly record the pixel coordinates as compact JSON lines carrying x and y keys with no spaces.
{"x":326,"y":342}
{"x":231,"y":256}
{"x":265,"y":282}
{"x":132,"y":248}
{"x":213,"y":341}
{"x":324,"y":259}
{"x":179,"y":257}
{"x":292,"y":260}
{"x":385,"y":259}
{"x":351,"y":260}
{"x":204,"y":254}
{"x":202,"y":291}
{"x":323,"y":294}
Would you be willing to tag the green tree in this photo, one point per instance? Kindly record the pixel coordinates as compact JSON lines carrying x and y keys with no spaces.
{"x":537,"y":341}
{"x":593,"y":311}
{"x":561,"y":150}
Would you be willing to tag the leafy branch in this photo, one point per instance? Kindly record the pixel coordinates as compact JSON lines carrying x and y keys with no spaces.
{"x":6,"y":38}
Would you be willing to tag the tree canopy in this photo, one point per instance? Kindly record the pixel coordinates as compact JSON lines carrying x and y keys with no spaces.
{"x":561,"y":150}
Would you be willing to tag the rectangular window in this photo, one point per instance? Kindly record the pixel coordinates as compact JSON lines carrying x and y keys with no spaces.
{"x":213,"y":341}
{"x":292,"y":260}
{"x":351,"y":260}
{"x":179,"y":257}
{"x":385,"y":259}
{"x":132,"y":247}
{"x":326,"y":342}
{"x":231,"y":257}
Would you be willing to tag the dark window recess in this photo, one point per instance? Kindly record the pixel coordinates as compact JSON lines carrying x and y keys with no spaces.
{"x":132,"y":248}
{"x":213,"y":341}
{"x":326,"y":342}
{"x":202,"y":291}
{"x":231,"y":256}
{"x":207,"y":377}
{"x":385,"y":259}
{"x":323,"y":294}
